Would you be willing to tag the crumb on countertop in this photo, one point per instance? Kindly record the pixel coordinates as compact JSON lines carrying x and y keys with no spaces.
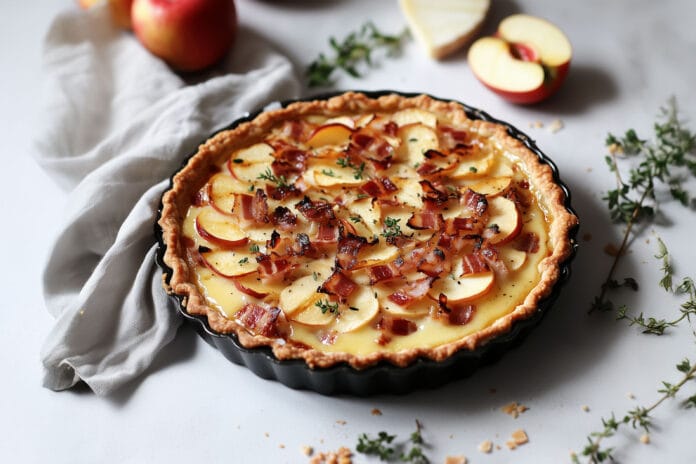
{"x":645,"y":439}
{"x":586,"y":408}
{"x":556,"y":125}
{"x":456,"y":460}
{"x":514,"y":409}
{"x":376,"y":412}
{"x":342,"y":456}
{"x":486,"y":446}
{"x":536,"y":124}
{"x":307,"y":450}
{"x":341,"y":422}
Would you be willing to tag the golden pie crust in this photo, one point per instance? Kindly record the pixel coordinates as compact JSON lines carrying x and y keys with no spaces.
{"x":548,"y":198}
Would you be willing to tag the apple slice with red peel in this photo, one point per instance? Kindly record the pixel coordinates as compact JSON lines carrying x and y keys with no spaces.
{"x":526,"y":62}
{"x":248,"y":173}
{"x":343,"y":120}
{"x":329,"y":134}
{"x":361,"y":308}
{"x":219,"y":229}
{"x":414,"y":116}
{"x":364,"y":120}
{"x":257,"y":153}
{"x":513,"y":259}
{"x":416,"y":139}
{"x":248,"y":290}
{"x":473,"y":166}
{"x":222,"y":189}
{"x":228,"y":263}
{"x":504,"y":215}
{"x":310,"y":314}
{"x":298,"y":295}
{"x":491,"y":187}
{"x":464,"y":288}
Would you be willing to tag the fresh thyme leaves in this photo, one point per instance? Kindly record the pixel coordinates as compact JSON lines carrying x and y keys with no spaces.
{"x":660,"y":162}
{"x":356,"y":48}
{"x":326,"y":305}
{"x":328,"y":172}
{"x":355,"y":219}
{"x":254,"y":248}
{"x":668,"y":271}
{"x":391,"y":227}
{"x":381,"y":446}
{"x":638,"y":417}
{"x":357,"y":170}
{"x":268,"y":175}
{"x":376,"y":446}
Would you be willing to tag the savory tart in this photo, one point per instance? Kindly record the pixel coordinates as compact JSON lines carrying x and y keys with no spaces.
{"x":358,"y":229}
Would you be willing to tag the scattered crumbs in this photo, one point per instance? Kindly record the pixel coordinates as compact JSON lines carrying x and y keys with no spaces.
{"x":536,"y":124}
{"x":486,"y":446}
{"x":615,"y":149}
{"x":513,"y":409}
{"x":455,"y":460}
{"x":645,"y":439}
{"x":630,"y":396}
{"x":520,"y":437}
{"x":342,"y":456}
{"x":556,"y":125}
{"x":307,"y":450}
{"x":611,"y":249}
{"x":647,"y":241}
{"x":376,"y":412}
{"x":341,"y":422}
{"x":266,"y":434}
{"x":281,"y":446}
{"x":510,"y":444}
{"x":586,"y":408}
{"x":587,"y":237}
{"x":497,"y":447}
{"x":589,"y":169}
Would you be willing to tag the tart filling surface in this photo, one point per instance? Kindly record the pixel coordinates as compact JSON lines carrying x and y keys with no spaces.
{"x":356,"y":229}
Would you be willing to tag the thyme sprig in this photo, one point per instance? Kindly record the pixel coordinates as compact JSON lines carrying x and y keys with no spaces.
{"x":638,"y":417}
{"x":326,"y":305}
{"x":357,"y":170}
{"x":268,"y":175}
{"x":662,"y":162}
{"x":391,"y":227}
{"x":356,"y":48}
{"x":381,"y":446}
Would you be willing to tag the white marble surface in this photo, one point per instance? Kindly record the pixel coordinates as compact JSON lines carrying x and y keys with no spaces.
{"x":194,"y":406}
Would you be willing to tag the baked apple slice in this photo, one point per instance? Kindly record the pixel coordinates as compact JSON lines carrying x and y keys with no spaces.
{"x":219,"y":229}
{"x":464,"y":288}
{"x":414,"y":116}
{"x":361,"y":308}
{"x":505,"y":219}
{"x":491,"y":187}
{"x":298,"y":295}
{"x":230,"y":263}
{"x":221,"y":191}
{"x":416,"y":139}
{"x":330,"y":134}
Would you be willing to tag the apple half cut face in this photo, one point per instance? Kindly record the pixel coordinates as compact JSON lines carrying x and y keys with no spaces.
{"x":525,"y":62}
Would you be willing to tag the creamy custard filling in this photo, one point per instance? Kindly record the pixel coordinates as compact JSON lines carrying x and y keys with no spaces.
{"x":367,"y":233}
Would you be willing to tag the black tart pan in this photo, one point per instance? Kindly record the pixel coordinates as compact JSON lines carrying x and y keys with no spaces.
{"x":382,"y":377}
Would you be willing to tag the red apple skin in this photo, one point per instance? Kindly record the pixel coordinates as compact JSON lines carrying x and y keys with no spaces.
{"x":190,"y":35}
{"x":121,"y":13}
{"x":217,"y":240}
{"x":544,"y":91}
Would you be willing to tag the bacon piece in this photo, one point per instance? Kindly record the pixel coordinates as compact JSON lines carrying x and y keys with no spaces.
{"x":461,"y":314}
{"x":473,"y":263}
{"x":316,"y":211}
{"x":347,"y":250}
{"x":252,"y":208}
{"x":492,"y":258}
{"x":368,"y":144}
{"x":382,"y":272}
{"x":201,"y":197}
{"x":433,"y":195}
{"x":282,"y":192}
{"x":273,"y":268}
{"x":476,"y":202}
{"x":379,"y":187}
{"x":261,"y":319}
{"x":303,"y":246}
{"x":327,"y":233}
{"x":451,"y":137}
{"x":463,"y":225}
{"x":436,"y":164}
{"x":397,"y":326}
{"x":528,"y":242}
{"x":425,"y":220}
{"x":520,"y":197}
{"x":283,"y":218}
{"x":434,"y":263}
{"x":413,"y":291}
{"x":289,"y":161}
{"x":338,"y":284}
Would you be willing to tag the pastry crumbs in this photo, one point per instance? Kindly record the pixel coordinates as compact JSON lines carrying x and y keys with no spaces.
{"x":456,"y":460}
{"x":341,"y":422}
{"x":645,"y":438}
{"x":514,"y":409}
{"x":376,"y":412}
{"x":307,"y":450}
{"x":486,"y":446}
{"x":586,"y":408}
{"x":556,"y":125}
{"x":342,"y":456}
{"x":536,"y":125}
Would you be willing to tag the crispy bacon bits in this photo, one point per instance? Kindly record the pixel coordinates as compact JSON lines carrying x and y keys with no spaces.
{"x":316,"y":211}
{"x":338,"y":284}
{"x":261,"y":319}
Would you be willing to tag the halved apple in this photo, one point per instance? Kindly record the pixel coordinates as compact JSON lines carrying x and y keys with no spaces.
{"x":526,"y":62}
{"x":416,"y":139}
{"x":444,"y":26}
{"x":414,"y":116}
{"x":329,"y":134}
{"x":513,"y":259}
{"x":505,"y":217}
{"x":298,"y":294}
{"x":492,"y":186}
{"x":361,"y":308}
{"x":220,"y":229}
{"x":230,"y":263}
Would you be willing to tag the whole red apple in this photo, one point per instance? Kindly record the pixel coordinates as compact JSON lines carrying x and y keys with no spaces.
{"x":121,"y":12}
{"x":188,"y":34}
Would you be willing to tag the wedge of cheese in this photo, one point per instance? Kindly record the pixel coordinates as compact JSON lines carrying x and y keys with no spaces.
{"x":444,"y":26}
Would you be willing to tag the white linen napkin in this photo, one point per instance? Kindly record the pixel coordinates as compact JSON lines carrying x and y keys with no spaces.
{"x":118,"y":123}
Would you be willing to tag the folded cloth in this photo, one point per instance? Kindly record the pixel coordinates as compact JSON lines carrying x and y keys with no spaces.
{"x":118,"y":123}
